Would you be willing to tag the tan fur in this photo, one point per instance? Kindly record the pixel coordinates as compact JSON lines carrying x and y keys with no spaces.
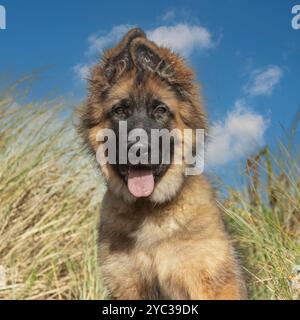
{"x":181,"y":247}
{"x":172,"y":245}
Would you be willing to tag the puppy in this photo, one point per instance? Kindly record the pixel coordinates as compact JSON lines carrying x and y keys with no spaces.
{"x":161,"y":234}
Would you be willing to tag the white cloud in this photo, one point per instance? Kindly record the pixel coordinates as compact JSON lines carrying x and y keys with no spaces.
{"x":238,"y":136}
{"x":182,"y":38}
{"x":263,"y":81}
{"x":98,"y":43}
{"x":82,"y":71}
{"x":169,"y":15}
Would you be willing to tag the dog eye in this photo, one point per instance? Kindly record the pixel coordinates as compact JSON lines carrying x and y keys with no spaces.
{"x":160,"y":109}
{"x":119,"y":111}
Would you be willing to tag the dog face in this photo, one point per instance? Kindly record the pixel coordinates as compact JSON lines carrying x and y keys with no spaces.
{"x":150,"y":88}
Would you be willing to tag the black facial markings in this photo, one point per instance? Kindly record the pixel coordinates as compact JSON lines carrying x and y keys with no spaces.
{"x":141,"y":110}
{"x":120,"y":111}
{"x":161,"y":113}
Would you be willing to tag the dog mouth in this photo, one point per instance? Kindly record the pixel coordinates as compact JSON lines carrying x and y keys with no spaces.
{"x":141,"y":179}
{"x":142,"y":175}
{"x":140,"y":182}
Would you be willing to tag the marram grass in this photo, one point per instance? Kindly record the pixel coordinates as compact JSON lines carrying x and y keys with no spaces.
{"x":49,"y":202}
{"x":265,"y":222}
{"x":49,"y":199}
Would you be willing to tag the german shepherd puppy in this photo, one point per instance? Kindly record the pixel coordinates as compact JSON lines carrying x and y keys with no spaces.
{"x":161,"y":233}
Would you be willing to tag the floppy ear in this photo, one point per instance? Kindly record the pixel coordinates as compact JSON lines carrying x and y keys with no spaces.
{"x":118,"y":60}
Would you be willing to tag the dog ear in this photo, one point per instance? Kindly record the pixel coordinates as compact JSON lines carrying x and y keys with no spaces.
{"x":147,"y":56}
{"x":118,"y":60}
{"x":165,"y":64}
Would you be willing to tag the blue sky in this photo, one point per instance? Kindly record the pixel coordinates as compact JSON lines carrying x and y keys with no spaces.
{"x":245,"y":53}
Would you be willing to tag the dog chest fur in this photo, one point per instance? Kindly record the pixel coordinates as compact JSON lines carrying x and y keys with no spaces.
{"x":150,"y":251}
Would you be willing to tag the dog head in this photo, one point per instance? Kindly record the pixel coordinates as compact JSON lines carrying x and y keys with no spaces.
{"x":143,"y":87}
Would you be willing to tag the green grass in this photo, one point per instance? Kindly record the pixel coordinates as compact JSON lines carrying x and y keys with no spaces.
{"x":49,"y":202}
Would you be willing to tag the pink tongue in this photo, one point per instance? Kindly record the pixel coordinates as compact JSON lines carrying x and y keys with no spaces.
{"x":140,"y":182}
